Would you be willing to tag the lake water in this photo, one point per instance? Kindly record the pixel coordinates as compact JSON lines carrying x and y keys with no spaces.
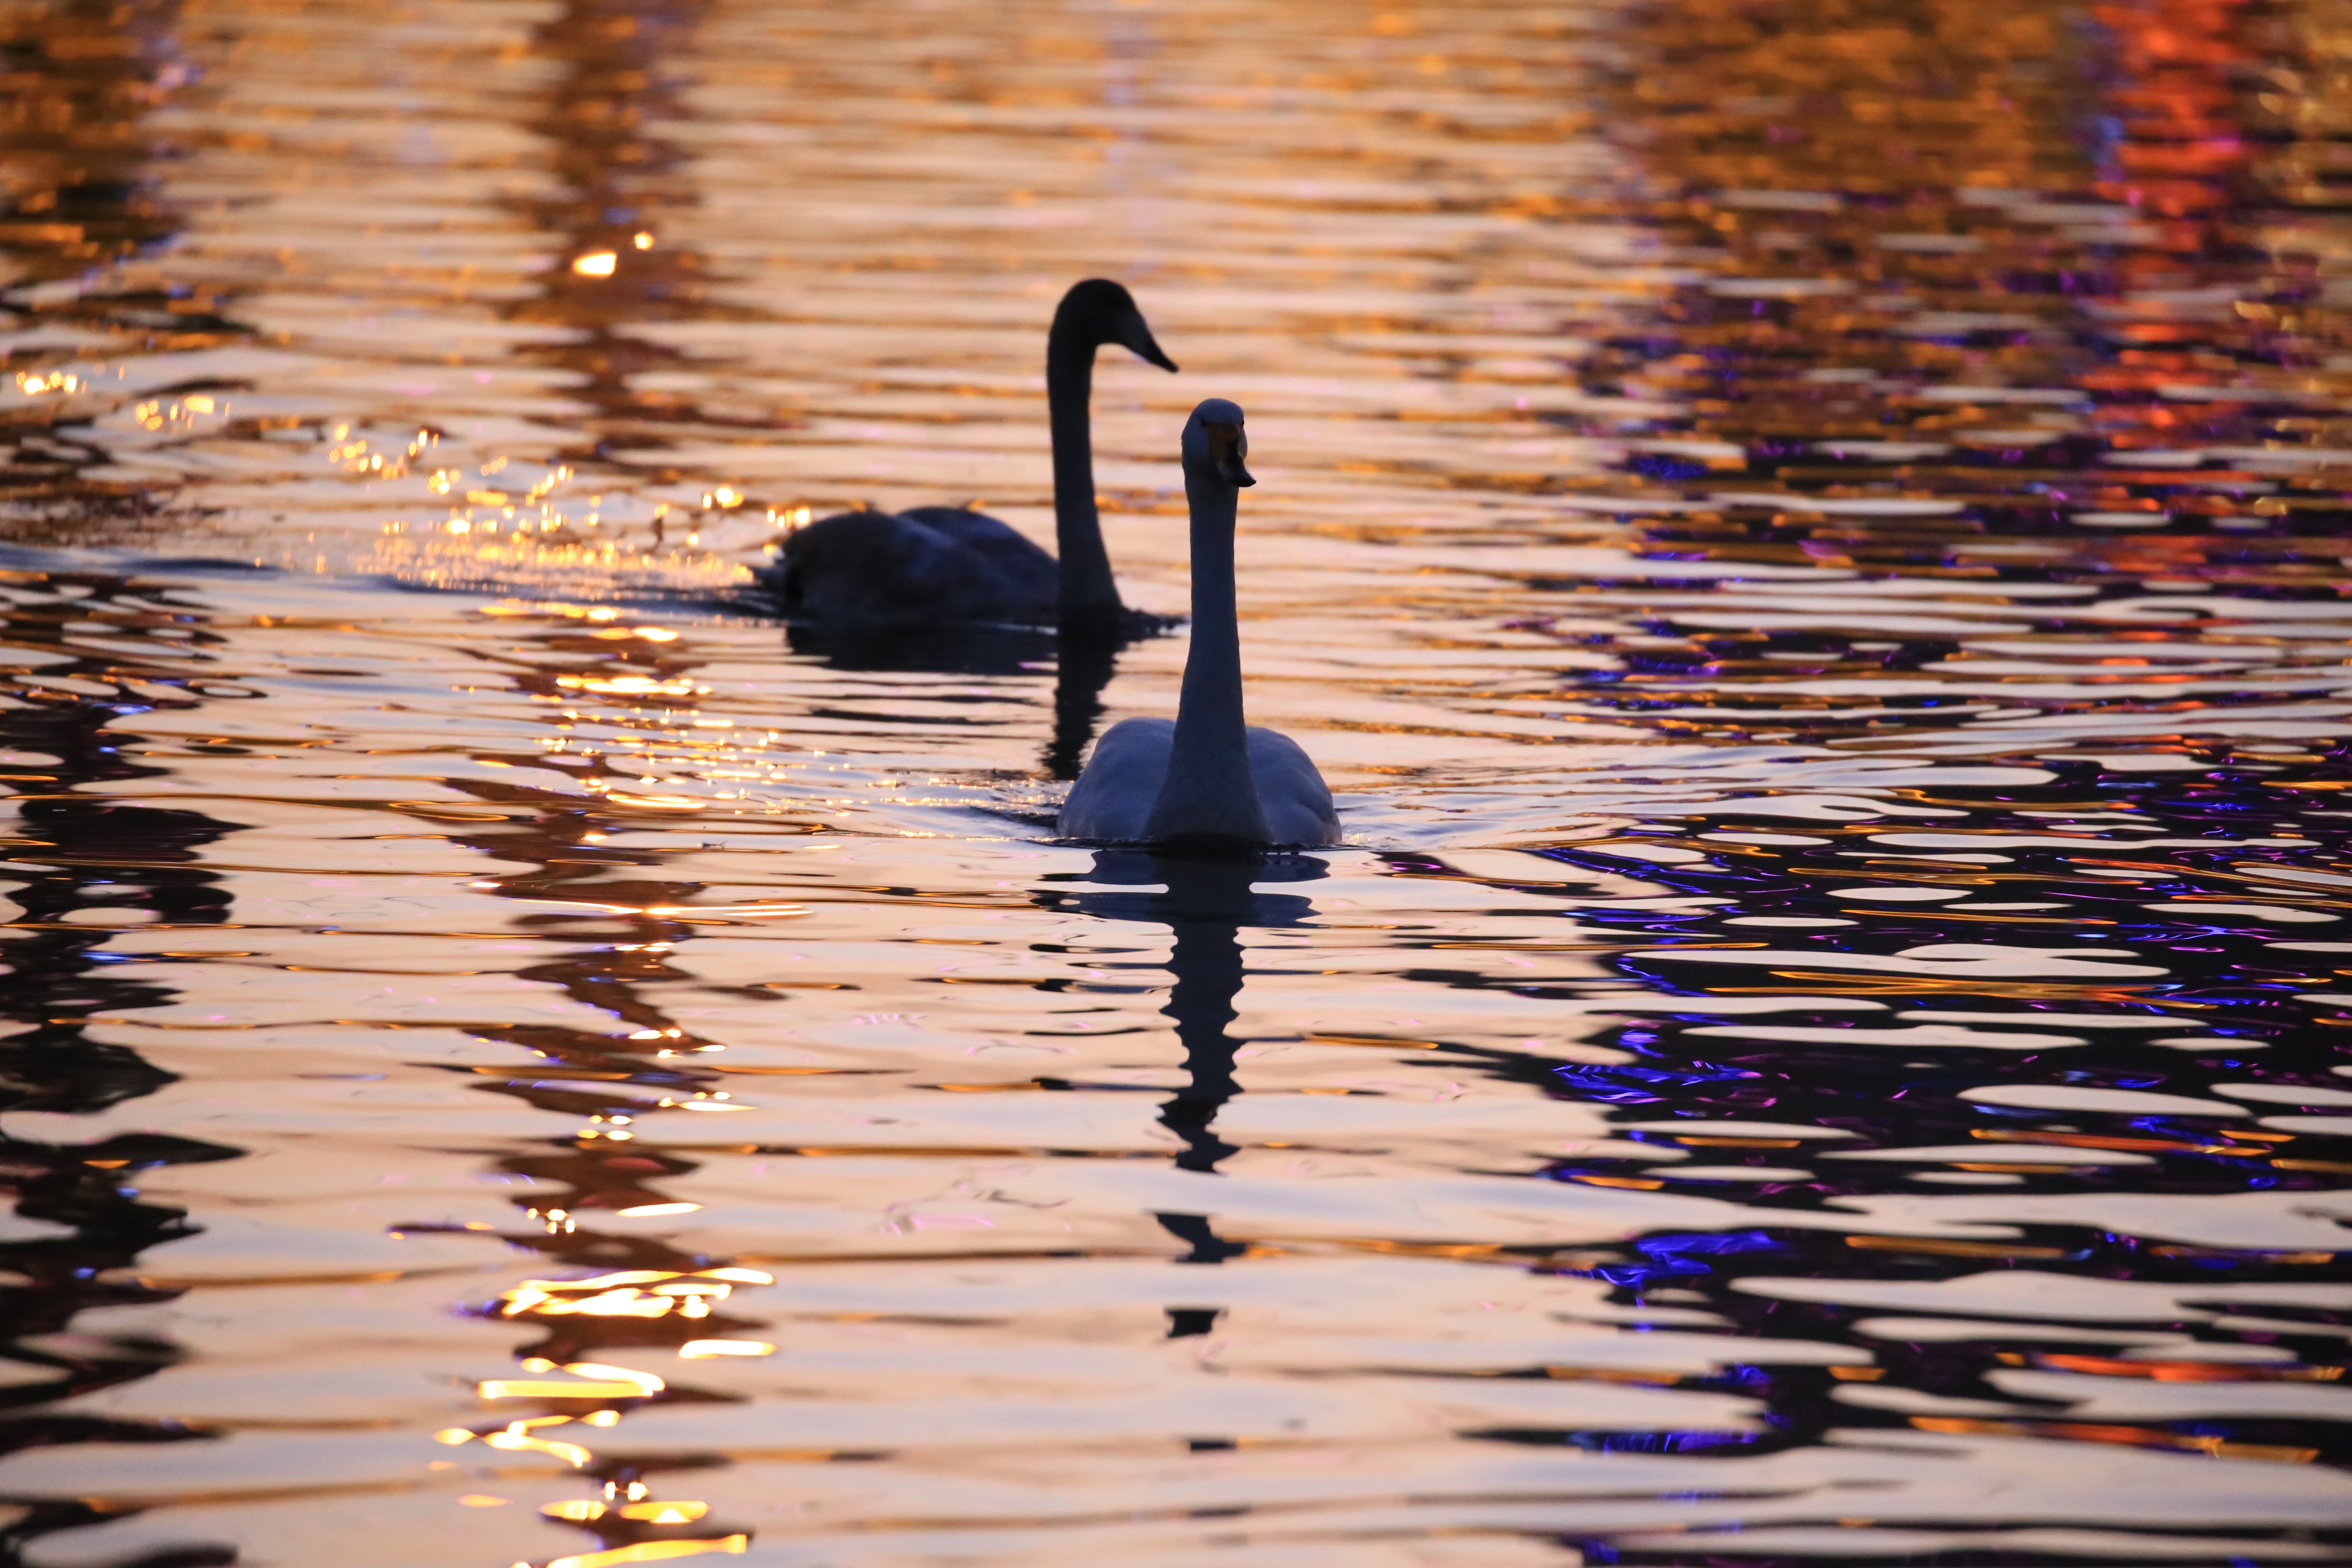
{"x":1807,"y":536}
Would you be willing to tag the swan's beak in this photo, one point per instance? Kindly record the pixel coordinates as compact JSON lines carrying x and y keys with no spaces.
{"x":1133,"y":335}
{"x":1227,"y":447}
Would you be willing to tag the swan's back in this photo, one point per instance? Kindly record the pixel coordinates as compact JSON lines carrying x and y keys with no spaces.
{"x":1025,"y":572}
{"x":933,"y":564}
{"x":1113,"y":797}
{"x":1292,"y":794}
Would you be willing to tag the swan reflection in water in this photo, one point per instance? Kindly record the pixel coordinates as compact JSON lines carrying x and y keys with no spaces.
{"x":1206,"y":903}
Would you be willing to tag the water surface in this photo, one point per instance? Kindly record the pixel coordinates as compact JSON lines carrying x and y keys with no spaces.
{"x":1808,"y":536}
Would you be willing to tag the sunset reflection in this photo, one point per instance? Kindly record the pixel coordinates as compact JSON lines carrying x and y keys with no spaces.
{"x":1806,"y":535}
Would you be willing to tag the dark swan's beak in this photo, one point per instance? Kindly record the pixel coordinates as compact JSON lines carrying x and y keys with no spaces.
{"x":1227,"y":447}
{"x":1132,"y":333}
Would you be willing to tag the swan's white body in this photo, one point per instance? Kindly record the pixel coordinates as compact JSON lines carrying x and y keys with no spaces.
{"x":1208,"y":779}
{"x":1113,"y":797}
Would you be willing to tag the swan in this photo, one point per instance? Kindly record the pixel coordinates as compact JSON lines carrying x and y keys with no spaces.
{"x":932,"y":563}
{"x":1208,"y":782}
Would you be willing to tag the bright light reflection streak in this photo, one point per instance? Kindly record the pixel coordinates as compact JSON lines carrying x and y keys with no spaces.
{"x":571,"y":1454}
{"x":652,"y":1551}
{"x":516,"y":1388}
{"x":580,"y":1511}
{"x":623,"y":1301}
{"x":643,"y":1382}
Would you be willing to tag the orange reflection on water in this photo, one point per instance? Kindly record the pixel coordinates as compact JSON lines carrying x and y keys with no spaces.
{"x":623,"y":1294}
{"x":652,"y":1551}
{"x":1762,"y":411}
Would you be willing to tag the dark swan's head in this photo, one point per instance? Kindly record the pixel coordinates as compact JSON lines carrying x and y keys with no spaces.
{"x":1099,"y":311}
{"x":1214,"y":442}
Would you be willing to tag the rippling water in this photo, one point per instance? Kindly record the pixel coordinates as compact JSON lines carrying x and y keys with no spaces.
{"x":1808,"y":534}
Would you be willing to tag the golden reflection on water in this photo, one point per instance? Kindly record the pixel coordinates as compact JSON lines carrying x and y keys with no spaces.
{"x":1807,"y":534}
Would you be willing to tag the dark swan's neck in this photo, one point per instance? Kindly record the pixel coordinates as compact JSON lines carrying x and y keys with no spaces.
{"x":1089,"y":598}
{"x":1209,"y":797}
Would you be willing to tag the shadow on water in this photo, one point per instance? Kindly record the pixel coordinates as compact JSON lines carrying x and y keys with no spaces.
{"x":944,"y":650}
{"x":1083,"y":667}
{"x":84,"y":867}
{"x":1206,"y":904}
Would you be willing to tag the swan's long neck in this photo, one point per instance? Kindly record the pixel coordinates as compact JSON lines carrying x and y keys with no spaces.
{"x":1089,"y":598}
{"x":1210,"y":797}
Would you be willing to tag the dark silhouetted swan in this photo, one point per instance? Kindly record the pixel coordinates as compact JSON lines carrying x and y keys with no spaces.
{"x":1208,"y":782}
{"x":937,"y":563}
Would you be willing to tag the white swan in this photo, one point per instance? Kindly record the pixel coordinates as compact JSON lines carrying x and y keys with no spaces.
{"x":1208,"y":782}
{"x":936,"y":563}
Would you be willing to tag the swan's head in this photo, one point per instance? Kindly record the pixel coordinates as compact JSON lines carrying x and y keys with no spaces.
{"x":1215,"y":443}
{"x":1099,"y":311}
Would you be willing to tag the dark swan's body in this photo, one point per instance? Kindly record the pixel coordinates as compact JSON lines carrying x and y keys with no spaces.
{"x":927,"y":563}
{"x":937,"y":563}
{"x":1208,"y":782}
